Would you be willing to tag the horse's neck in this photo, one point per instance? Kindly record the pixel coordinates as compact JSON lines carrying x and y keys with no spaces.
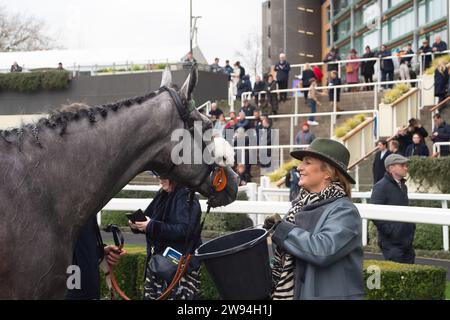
{"x":87,"y":166}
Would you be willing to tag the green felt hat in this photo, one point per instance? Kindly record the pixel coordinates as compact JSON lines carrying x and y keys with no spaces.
{"x":330,"y":151}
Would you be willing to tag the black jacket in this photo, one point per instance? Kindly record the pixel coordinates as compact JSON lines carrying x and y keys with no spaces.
{"x":420,"y":150}
{"x":443,"y":136}
{"x":282,"y":69}
{"x":387,"y":65}
{"x":87,"y":255}
{"x":306,"y":76}
{"x":171,"y":222}
{"x":367,"y":67}
{"x":440,"y":82}
{"x":394,"y":238}
{"x":378,"y":168}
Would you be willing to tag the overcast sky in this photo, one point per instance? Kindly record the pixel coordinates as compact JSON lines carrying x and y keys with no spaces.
{"x":96,"y":24}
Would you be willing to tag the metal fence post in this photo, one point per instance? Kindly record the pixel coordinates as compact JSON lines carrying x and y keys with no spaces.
{"x":445,"y":230}
{"x":365,"y":224}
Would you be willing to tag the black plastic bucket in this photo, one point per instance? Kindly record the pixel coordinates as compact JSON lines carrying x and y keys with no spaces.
{"x":239,"y":264}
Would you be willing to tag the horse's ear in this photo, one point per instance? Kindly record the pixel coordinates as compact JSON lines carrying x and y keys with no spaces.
{"x":189,"y":84}
{"x":166,"y":80}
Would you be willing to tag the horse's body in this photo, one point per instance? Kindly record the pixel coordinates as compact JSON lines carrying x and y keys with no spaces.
{"x":52,"y":183}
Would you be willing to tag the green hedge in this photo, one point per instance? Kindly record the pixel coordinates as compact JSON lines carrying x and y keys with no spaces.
{"x":406,"y":282}
{"x":431,"y":172}
{"x":26,"y":82}
{"x":398,"y":281}
{"x":427,"y":237}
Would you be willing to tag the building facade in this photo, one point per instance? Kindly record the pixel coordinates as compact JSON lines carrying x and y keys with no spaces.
{"x":293,"y":27}
{"x":306,"y":30}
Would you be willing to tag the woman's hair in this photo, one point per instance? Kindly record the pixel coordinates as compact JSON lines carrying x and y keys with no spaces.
{"x":337,"y":176}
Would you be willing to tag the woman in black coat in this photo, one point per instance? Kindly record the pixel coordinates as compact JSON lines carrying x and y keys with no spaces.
{"x":440,"y":81}
{"x":367,"y":67}
{"x":417,"y":148}
{"x":170,"y":221}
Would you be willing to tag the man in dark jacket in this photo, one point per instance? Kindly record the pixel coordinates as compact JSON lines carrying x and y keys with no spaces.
{"x":282,"y":68}
{"x":441,"y":133}
{"x":259,"y":86}
{"x":331,"y":58}
{"x":395,"y":239}
{"x":438,"y":46}
{"x":367,"y":67}
{"x":244,"y":85}
{"x":378,"y":168}
{"x":426,"y":58}
{"x":387,"y":66}
{"x":307,"y":75}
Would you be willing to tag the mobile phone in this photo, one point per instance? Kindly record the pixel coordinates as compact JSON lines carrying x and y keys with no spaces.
{"x":172,"y":254}
{"x":137,"y":216}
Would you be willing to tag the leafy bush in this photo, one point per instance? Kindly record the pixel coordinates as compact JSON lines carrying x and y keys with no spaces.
{"x":398,"y":281}
{"x":432,"y":69}
{"x":395,"y":93}
{"x":349,"y":125}
{"x":431,"y":172}
{"x":283,"y":170}
{"x":27,"y":82}
{"x":406,"y":281}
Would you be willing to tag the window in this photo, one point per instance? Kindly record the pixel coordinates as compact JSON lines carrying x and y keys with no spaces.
{"x":387,"y":4}
{"x":370,"y":39}
{"x":342,"y":30}
{"x":340,"y":5}
{"x":398,"y":25}
{"x":328,"y":38}
{"x":432,"y":10}
{"x":367,"y":14}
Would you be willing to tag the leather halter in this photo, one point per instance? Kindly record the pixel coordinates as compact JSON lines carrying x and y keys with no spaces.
{"x":217,"y":174}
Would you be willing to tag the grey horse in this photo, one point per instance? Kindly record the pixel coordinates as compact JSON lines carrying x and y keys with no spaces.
{"x":62,"y":170}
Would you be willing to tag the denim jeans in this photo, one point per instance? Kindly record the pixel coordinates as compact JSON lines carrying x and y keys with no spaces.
{"x":313,"y":105}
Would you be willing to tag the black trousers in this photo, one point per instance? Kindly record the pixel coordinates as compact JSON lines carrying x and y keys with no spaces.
{"x":387,"y":76}
{"x":283,"y":85}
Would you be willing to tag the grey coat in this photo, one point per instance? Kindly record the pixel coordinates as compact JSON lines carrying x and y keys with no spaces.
{"x":331,"y":254}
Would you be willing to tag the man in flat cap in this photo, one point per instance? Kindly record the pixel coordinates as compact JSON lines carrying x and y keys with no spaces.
{"x":395,"y":239}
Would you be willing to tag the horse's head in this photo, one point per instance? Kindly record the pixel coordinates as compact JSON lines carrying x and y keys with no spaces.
{"x":207,"y":166}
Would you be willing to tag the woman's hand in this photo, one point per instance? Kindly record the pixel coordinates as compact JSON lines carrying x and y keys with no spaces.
{"x":141,"y":226}
{"x":113,"y":254}
{"x":272,"y":221}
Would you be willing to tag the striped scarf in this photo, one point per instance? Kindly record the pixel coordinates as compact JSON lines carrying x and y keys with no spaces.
{"x":283,"y":271}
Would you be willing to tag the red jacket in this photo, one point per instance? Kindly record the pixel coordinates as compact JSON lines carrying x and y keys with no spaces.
{"x":318,"y":73}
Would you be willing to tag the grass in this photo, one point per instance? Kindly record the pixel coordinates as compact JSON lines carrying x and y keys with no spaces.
{"x":447,"y":291}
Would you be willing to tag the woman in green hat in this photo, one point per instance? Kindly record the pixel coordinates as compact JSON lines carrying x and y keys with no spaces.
{"x":319,"y":245}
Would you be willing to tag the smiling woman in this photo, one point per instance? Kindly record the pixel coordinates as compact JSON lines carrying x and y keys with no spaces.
{"x":319,"y":252}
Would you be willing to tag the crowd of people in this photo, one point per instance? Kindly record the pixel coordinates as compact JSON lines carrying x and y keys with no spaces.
{"x":240,"y":131}
{"x":366,"y":69}
{"x":409,"y":142}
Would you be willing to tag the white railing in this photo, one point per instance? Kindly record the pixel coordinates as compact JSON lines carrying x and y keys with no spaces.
{"x":259,"y":208}
{"x":294,"y":120}
{"x":242,"y":155}
{"x":207,"y":104}
{"x":396,"y":58}
{"x":264,"y":192}
{"x":437,"y":147}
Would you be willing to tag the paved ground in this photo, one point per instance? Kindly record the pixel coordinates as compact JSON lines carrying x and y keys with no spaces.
{"x":138,"y":239}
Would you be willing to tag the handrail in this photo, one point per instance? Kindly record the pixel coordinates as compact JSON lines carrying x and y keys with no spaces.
{"x":440,"y":104}
{"x":370,"y":153}
{"x":404,"y":97}
{"x":371,"y":59}
{"x":357,"y":129}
